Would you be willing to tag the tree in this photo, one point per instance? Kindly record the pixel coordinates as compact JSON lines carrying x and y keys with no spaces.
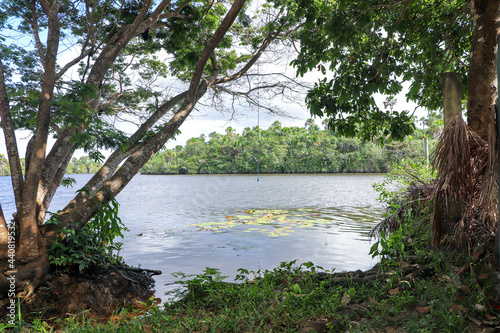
{"x":368,"y":47}
{"x":113,"y":58}
{"x":374,"y":47}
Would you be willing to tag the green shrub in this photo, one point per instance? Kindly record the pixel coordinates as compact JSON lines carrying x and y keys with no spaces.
{"x":92,"y":246}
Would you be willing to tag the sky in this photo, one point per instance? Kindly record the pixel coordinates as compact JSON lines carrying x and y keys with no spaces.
{"x":204,"y":120}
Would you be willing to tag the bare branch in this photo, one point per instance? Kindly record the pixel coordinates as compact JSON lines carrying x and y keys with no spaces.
{"x":34,"y":26}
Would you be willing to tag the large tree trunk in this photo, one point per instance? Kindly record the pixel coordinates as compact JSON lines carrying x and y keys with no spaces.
{"x":44,"y":174}
{"x":46,"y":171}
{"x":483,"y":91}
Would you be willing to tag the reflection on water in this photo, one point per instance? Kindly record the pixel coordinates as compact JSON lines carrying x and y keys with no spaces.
{"x":232,"y":221}
{"x":187,"y":223}
{"x":278,"y":222}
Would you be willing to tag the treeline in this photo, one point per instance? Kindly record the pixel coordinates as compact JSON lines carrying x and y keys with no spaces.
{"x":83,"y":164}
{"x":282,"y":150}
{"x":4,"y":166}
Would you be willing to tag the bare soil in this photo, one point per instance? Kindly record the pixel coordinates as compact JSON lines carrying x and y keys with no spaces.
{"x":95,"y":293}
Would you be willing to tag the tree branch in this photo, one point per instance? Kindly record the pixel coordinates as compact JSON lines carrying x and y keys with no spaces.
{"x":29,"y":233}
{"x":34,"y":26}
{"x":116,"y":44}
{"x":114,"y":160}
{"x":16,"y":170}
{"x":102,"y":64}
{"x":80,"y":215}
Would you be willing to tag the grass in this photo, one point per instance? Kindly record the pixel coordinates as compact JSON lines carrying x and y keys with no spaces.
{"x":301,"y":297}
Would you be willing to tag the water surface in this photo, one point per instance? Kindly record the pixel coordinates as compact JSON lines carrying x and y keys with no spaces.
{"x":186,"y":223}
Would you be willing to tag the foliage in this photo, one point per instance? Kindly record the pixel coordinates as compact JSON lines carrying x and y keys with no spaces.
{"x":68,"y":182}
{"x":83,"y":164}
{"x":92,"y":246}
{"x":391,"y":246}
{"x":197,"y":286}
{"x":282,"y":150}
{"x":407,"y":192}
{"x":363,"y":48}
{"x":403,"y":174}
{"x":4,"y":166}
{"x":291,"y":297}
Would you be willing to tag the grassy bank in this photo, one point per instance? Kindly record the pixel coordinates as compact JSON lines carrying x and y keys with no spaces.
{"x":421,"y":295}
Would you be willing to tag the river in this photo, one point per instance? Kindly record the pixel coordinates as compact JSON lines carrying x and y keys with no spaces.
{"x":189,"y":222}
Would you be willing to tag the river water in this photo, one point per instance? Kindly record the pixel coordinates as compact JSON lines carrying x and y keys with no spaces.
{"x":189,"y":222}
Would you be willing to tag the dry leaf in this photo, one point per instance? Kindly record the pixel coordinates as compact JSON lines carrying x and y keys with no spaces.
{"x":346,"y":299}
{"x":447,"y":278}
{"x":480,"y":307}
{"x":146,"y":328}
{"x":483,"y":276}
{"x":466,"y":290}
{"x":423,"y":309}
{"x":463,"y":269}
{"x":475,"y":321}
{"x":394,"y":291}
{"x":456,"y":307}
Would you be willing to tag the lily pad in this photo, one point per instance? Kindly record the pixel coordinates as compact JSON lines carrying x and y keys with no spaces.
{"x":283,"y":222}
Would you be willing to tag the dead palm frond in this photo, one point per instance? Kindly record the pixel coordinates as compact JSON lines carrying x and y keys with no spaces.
{"x":413,"y":201}
{"x":466,"y":195}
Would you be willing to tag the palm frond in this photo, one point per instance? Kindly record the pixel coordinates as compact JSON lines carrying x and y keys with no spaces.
{"x":467,"y":182}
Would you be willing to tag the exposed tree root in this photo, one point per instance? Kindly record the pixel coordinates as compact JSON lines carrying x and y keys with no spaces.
{"x":95,"y":293}
{"x":28,"y":277}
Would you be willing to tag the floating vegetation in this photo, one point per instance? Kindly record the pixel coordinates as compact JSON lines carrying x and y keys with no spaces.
{"x":273,"y":223}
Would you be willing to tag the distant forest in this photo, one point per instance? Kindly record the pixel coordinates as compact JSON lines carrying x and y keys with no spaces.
{"x":283,"y":150}
{"x":280,"y":150}
{"x":83,"y":164}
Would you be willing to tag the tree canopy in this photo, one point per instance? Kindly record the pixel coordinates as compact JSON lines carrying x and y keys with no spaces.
{"x":373,"y":47}
{"x":279,"y":149}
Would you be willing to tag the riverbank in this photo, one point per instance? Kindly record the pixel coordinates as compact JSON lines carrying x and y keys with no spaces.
{"x":428,"y":293}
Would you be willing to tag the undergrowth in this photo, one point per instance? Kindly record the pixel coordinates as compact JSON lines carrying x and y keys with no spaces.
{"x":93,"y":246}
